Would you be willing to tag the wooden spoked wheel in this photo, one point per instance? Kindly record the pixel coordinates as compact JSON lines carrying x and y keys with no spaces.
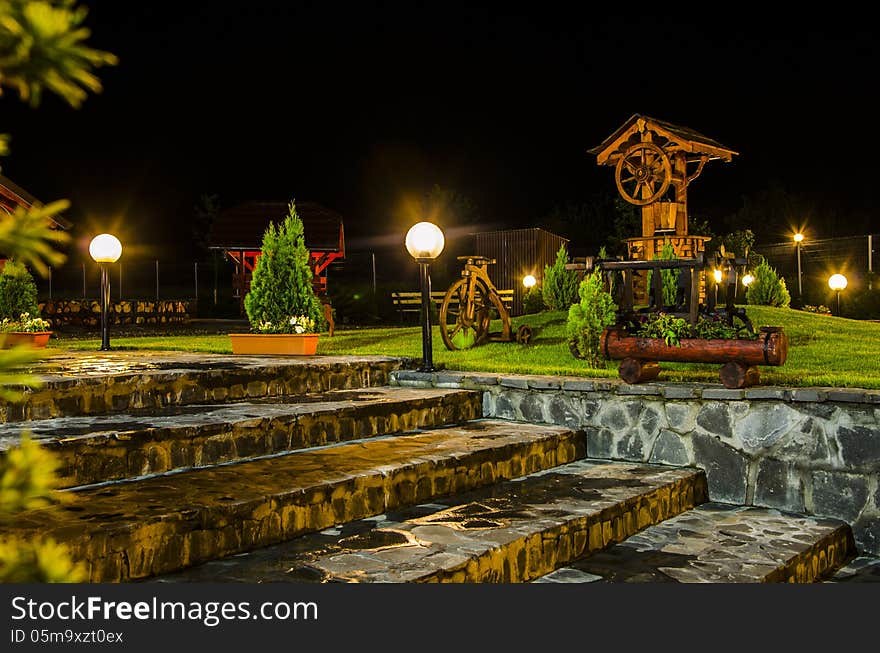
{"x":643,"y":174}
{"x":464,"y":323}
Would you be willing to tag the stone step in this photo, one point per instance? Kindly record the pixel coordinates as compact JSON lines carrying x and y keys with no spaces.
{"x":101,"y":448}
{"x":131,"y":530}
{"x":95,"y":383}
{"x":720,"y":543}
{"x":513,"y":531}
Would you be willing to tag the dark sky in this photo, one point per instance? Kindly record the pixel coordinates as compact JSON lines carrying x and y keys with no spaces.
{"x":358,"y":107}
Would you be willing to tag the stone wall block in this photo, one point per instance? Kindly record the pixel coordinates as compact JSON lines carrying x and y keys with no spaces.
{"x":765,"y":425}
{"x":859,"y":446}
{"x":838,"y":494}
{"x":682,"y":416}
{"x":714,"y":418}
{"x":670,"y":449}
{"x":778,"y":485}
{"x":726,"y":468}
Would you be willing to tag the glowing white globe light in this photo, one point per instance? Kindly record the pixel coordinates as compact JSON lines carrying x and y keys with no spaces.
{"x":748,"y":279}
{"x":424,"y":240}
{"x":529,"y":281}
{"x":837,"y":282}
{"x":105,"y":248}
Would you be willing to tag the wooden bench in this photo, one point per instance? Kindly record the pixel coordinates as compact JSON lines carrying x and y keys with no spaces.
{"x":411,"y":302}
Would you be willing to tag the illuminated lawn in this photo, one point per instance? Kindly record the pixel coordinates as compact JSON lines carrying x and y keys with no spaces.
{"x":824,"y":351}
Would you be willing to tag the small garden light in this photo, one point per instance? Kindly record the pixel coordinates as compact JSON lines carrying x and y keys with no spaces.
{"x":424,"y":242}
{"x":717,"y":274}
{"x":837,"y":282}
{"x":105,"y":248}
{"x":748,"y":279}
{"x":529,"y":281}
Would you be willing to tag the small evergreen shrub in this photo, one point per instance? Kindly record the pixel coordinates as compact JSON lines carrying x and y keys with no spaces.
{"x":281,"y":298}
{"x":18,"y":291}
{"x":533,"y":301}
{"x":669,"y":278}
{"x":589,"y":317}
{"x":560,"y":285}
{"x":768,"y":288}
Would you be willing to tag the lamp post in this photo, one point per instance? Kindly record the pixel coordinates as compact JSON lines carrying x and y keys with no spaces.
{"x":105,"y":248}
{"x":837,"y":282}
{"x":798,"y":239}
{"x":424,"y":242}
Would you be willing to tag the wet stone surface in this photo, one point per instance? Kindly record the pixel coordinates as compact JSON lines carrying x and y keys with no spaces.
{"x":510,"y":532}
{"x":718,"y":543}
{"x":98,"y":448}
{"x":131,"y":530}
{"x":89,"y":383}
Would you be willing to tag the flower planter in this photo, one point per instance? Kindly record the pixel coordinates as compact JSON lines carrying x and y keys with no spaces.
{"x":639,"y":356}
{"x":279,"y":344}
{"x":36,"y":339}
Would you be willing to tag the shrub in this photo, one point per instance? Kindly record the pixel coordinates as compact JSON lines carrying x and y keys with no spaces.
{"x":669,"y":278}
{"x":560,"y":285}
{"x":588,"y":318}
{"x":18,"y":291}
{"x":768,"y":288}
{"x":281,"y":298}
{"x":533,"y":301}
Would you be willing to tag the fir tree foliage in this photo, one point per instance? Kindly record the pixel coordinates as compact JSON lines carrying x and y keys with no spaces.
{"x":281,"y":298}
{"x":589,"y":317}
{"x":768,"y":288}
{"x":560,"y":285}
{"x":18,"y":291}
{"x":42,"y":47}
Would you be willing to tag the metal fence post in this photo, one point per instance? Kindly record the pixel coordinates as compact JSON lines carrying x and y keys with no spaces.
{"x":84,"y":280}
{"x":196,"y":277}
{"x":157,"y":280}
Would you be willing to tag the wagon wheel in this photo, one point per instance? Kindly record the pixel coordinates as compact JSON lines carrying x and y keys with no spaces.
{"x":643,"y":174}
{"x":461,"y":328}
{"x":524,"y":334}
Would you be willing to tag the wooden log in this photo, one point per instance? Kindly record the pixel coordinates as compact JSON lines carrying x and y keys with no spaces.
{"x":739,"y":375}
{"x":771,"y":348}
{"x":633,"y":370}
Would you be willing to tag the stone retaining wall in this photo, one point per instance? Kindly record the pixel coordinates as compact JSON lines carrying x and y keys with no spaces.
{"x":808,"y":450}
{"x":87,"y":312}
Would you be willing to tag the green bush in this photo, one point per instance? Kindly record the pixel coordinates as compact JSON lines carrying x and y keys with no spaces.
{"x":533,"y":301}
{"x":588,"y":318}
{"x":768,"y":288}
{"x":18,"y":291}
{"x":281,"y":298}
{"x":669,"y":278}
{"x":560,"y":288}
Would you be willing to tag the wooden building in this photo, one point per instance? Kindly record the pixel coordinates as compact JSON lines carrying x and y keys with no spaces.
{"x":238,"y":233}
{"x":13,"y":196}
{"x":517,"y":252}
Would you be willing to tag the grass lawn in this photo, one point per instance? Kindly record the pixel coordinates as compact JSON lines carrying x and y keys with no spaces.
{"x":824,"y":351}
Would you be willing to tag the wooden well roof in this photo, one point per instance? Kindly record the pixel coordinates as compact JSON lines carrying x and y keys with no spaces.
{"x":242,"y":226}
{"x":679,"y":138}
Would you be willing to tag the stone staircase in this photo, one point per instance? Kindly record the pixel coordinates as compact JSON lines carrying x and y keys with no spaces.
{"x":373,"y":483}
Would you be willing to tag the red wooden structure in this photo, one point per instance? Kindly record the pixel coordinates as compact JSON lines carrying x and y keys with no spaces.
{"x":238,"y":232}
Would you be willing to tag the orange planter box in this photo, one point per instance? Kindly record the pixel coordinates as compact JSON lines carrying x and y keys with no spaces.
{"x":279,"y":344}
{"x":36,"y":339}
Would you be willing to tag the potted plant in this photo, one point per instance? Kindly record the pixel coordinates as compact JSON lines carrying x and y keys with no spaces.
{"x":25,"y":331}
{"x":18,"y":301}
{"x":284,"y":313}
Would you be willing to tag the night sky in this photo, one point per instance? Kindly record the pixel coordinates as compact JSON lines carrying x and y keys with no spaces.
{"x":360,"y":108}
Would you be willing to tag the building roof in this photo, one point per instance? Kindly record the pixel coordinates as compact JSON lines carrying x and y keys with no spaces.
{"x":12,"y":196}
{"x":521,"y":231}
{"x":686,"y":138}
{"x":242,"y":226}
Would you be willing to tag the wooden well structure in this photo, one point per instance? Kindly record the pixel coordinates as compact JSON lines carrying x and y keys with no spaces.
{"x":654,"y":162}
